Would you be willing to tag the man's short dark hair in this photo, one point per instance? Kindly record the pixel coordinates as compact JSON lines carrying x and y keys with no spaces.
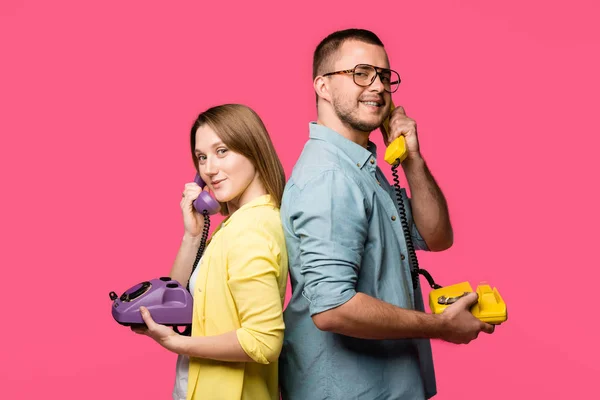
{"x":326,"y":50}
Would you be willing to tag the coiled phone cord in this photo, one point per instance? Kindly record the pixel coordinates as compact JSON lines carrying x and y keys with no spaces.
{"x":188,"y":329}
{"x":415,"y":270}
{"x":202,"y":244}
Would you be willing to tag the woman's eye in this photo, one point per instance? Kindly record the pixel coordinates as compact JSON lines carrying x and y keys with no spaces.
{"x":202,"y":158}
{"x":221,"y":151}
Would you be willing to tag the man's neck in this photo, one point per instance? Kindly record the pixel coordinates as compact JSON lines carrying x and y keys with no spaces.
{"x":358,"y":137}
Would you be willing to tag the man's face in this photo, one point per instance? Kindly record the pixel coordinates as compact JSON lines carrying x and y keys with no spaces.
{"x":361,"y":108}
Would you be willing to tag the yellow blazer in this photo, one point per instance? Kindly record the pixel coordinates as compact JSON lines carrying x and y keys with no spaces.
{"x":241,"y":286}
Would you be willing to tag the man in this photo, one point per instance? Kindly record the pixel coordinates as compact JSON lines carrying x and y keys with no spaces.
{"x":355,"y":326}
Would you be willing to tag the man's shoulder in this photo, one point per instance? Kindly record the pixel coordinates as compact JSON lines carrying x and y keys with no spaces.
{"x":318,"y":158}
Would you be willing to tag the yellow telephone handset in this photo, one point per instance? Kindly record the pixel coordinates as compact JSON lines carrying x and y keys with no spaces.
{"x":396,"y":151}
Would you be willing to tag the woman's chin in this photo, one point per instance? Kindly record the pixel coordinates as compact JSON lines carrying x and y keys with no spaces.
{"x":221,"y":196}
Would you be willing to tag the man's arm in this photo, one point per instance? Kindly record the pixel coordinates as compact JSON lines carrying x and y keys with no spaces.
{"x":368,"y":318}
{"x":332,"y":233}
{"x":429,"y":207}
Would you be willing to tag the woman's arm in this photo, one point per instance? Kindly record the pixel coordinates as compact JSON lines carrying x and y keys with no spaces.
{"x":193,"y":223}
{"x":253,"y":271}
{"x":224,"y":347}
{"x":184,"y":260}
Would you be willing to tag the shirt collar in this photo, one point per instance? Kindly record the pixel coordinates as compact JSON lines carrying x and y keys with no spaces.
{"x":358,"y":154}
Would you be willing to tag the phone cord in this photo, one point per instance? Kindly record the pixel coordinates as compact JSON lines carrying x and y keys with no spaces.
{"x":188,"y":329}
{"x":202,"y":244}
{"x":415,"y":270}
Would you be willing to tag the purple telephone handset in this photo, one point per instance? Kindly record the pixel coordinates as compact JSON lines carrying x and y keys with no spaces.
{"x":169,"y":303}
{"x":205,"y":202}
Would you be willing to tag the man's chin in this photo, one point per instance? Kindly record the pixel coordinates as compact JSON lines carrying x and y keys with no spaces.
{"x":367,"y":126}
{"x":365,"y":122}
{"x":370,"y":121}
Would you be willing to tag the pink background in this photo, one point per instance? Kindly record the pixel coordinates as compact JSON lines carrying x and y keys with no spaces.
{"x":96,"y":103}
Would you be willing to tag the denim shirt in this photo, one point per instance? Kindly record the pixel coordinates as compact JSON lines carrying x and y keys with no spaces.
{"x":344,"y":235}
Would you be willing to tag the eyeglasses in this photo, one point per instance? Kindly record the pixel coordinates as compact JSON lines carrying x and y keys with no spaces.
{"x":364,"y":75}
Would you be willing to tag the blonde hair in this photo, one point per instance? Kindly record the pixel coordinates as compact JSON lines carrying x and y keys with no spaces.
{"x":243,"y":131}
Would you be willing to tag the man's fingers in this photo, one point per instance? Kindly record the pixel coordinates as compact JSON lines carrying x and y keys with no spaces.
{"x":466,"y":301}
{"x":488,"y":328}
{"x":400,"y":110}
{"x":469,"y":299}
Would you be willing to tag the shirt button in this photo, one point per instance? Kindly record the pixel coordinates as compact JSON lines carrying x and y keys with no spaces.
{"x":393,"y":217}
{"x":402,"y":256}
{"x":372,"y":161}
{"x":358,"y":165}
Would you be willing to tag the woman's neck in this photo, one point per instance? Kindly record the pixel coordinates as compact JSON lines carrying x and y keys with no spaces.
{"x":255,"y":189}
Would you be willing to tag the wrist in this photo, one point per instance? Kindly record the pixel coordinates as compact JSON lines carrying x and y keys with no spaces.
{"x":440,"y":323}
{"x":413,"y":162}
{"x":413,"y":157}
{"x":192,"y":239}
{"x":177,"y":344}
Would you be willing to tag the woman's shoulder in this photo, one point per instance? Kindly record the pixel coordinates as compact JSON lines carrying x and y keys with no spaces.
{"x":265,"y":217}
{"x":256,"y":229}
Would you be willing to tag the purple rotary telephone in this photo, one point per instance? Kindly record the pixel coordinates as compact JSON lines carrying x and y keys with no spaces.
{"x":169,"y":303}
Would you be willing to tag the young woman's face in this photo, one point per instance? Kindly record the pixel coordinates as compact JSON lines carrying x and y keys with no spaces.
{"x":228,"y":174}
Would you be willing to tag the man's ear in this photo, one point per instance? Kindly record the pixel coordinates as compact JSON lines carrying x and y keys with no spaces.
{"x":321,"y":88}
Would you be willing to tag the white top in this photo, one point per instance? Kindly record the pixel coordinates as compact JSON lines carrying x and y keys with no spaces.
{"x":183,"y":362}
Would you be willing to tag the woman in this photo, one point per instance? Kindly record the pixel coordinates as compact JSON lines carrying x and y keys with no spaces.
{"x":239,"y":283}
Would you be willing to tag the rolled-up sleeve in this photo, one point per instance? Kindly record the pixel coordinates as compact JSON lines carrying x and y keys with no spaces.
{"x":253,"y":271}
{"x":329,"y":216}
{"x":417,"y":239}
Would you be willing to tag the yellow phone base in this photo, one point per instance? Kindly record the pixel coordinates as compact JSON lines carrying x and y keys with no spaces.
{"x":489,"y":308}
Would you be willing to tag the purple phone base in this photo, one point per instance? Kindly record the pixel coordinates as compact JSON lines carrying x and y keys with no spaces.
{"x":168,"y":302}
{"x":205,"y":201}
